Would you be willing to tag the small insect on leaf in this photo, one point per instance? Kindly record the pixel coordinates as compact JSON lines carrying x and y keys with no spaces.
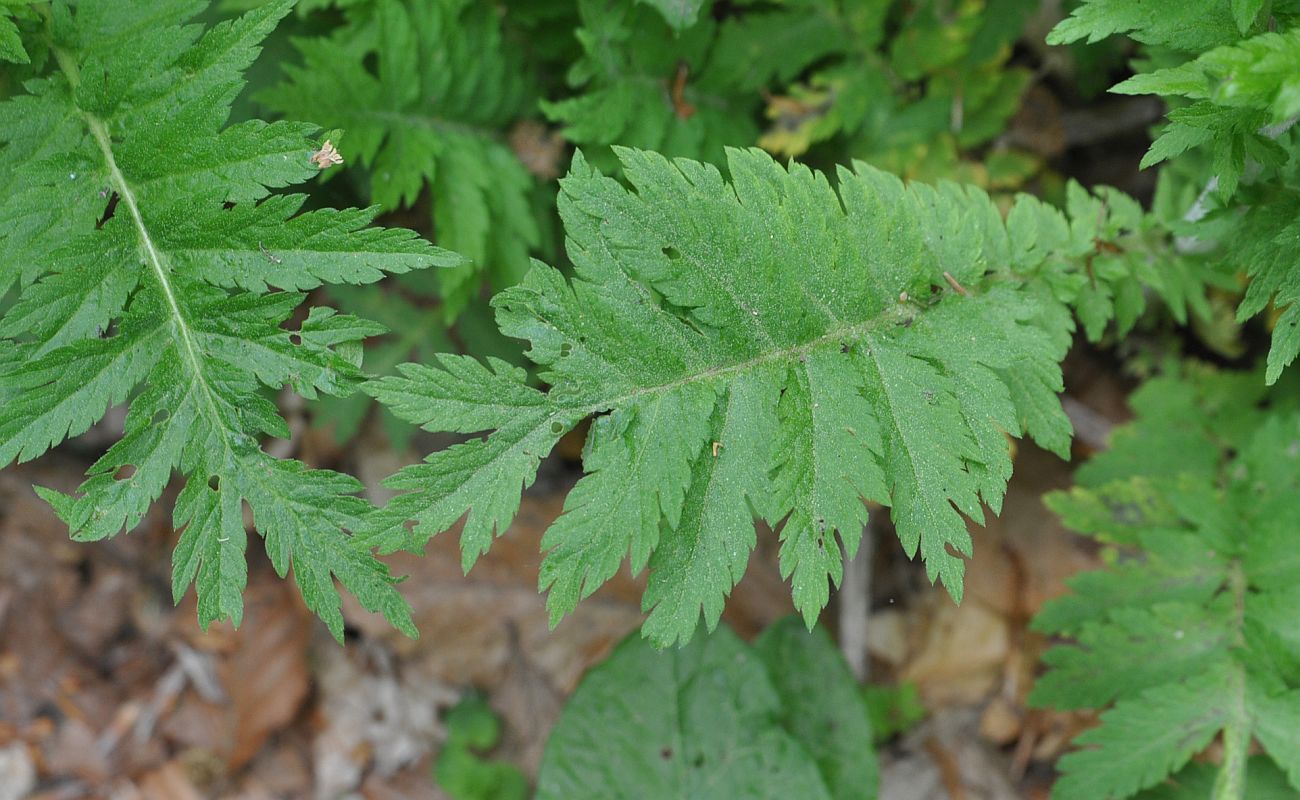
{"x":267,"y":254}
{"x":326,"y":156}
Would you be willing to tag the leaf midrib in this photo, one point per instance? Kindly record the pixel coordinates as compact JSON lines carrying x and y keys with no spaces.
{"x":854,"y":332}
{"x":188,"y":350}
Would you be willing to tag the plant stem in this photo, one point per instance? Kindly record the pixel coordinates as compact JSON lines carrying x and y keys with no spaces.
{"x":1231,"y":781}
{"x":855,"y":598}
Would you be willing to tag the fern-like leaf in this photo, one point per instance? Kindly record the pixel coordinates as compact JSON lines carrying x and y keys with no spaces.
{"x":644,"y":83}
{"x":1244,"y":94}
{"x":1102,"y":255}
{"x":433,"y":113}
{"x":1190,"y":638}
{"x":1258,"y":73}
{"x":1246,"y":98}
{"x":145,"y":242}
{"x":11,"y":43}
{"x":1236,"y":96}
{"x":1187,"y":25}
{"x":762,"y":346}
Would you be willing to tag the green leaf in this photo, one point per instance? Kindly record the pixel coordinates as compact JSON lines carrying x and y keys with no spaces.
{"x":701,"y":721}
{"x":1191,"y":25}
{"x":822,"y":706}
{"x":1102,"y":256}
{"x":1184,"y":421}
{"x":1276,"y":720}
{"x":146,"y":242}
{"x":414,"y":330}
{"x":482,"y":476}
{"x":647,"y":80}
{"x":640,"y":465}
{"x":1185,"y":632}
{"x":1263,"y":244}
{"x":765,"y":347}
{"x":433,"y":113}
{"x":1144,"y":739}
{"x":472,"y":727}
{"x":11,"y":43}
{"x":1133,"y":650}
{"x":1244,"y":13}
{"x":1196,"y":782}
{"x":678,"y":13}
{"x":1259,"y":73}
{"x":893,"y":709}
